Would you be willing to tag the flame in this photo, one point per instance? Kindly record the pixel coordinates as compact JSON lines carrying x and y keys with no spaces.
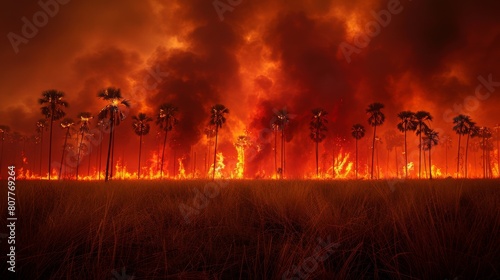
{"x":219,"y":167}
{"x":182,"y":171}
{"x":240,"y":165}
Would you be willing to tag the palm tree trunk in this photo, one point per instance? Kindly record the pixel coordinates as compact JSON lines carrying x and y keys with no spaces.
{"x":458,"y":156}
{"x":62,"y":157}
{"x":215,"y":149}
{"x":163,"y":154}
{"x":50,"y":141}
{"x":106,"y":178}
{"x":425,"y":164}
{"x":356,"y":158}
{"x":41,"y":152}
{"x":373,"y":150}
{"x":317,"y":169}
{"x":100,"y":156}
{"x":275,"y":153}
{"x":78,"y":156}
{"x":140,"y":150}
{"x":420,"y":154}
{"x":430,"y":163}
{"x":466,"y":154}
{"x":283,"y":152}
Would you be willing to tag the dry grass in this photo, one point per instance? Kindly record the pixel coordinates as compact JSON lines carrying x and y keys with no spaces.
{"x":441,"y":229}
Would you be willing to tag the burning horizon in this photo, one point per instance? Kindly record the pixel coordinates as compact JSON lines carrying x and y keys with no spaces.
{"x":259,"y":57}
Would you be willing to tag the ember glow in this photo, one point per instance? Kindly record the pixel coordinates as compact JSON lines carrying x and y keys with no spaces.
{"x":257,"y":58}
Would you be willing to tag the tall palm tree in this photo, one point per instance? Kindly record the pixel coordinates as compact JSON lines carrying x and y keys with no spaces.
{"x":67,"y":124}
{"x":113,"y":114}
{"x":421,"y":117}
{"x":275,"y":127}
{"x":358,"y":132}
{"x":217,"y":119}
{"x":4,"y":130}
{"x":85,"y":118}
{"x":408,"y":122}
{"x":376,"y":118}
{"x":102,"y":125}
{"x":141,"y":127}
{"x":166,"y":121}
{"x":461,"y":127}
{"x":282,"y":120}
{"x":41,"y":125}
{"x":430,"y":139}
{"x":318,"y":130}
{"x":52,"y":108}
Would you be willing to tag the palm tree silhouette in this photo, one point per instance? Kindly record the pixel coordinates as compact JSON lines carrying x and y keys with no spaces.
{"x":430,"y":139}
{"x":282,"y":120}
{"x":141,"y":127}
{"x":421,"y":117}
{"x":408,"y":122}
{"x":473,"y":131}
{"x":84,"y":129}
{"x":4,"y":130}
{"x":462,"y":124}
{"x":52,"y":108}
{"x":275,"y":127}
{"x":114,"y":115}
{"x":376,"y":118}
{"x":67,"y":123}
{"x":486,"y":134}
{"x":166,"y":121}
{"x":41,"y":125}
{"x":217,"y":119}
{"x":318,"y":129}
{"x":358,"y":132}
{"x":102,"y":125}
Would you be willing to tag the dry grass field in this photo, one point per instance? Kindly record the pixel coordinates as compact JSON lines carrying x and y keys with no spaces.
{"x":440,"y":229}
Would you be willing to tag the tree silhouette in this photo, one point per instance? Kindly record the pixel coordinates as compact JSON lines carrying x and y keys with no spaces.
{"x":67,"y":124}
{"x":141,"y":127}
{"x":114,"y":115}
{"x":318,"y":129}
{"x":408,"y":122}
{"x":166,"y":121}
{"x":282,"y":120}
{"x":52,"y":108}
{"x":430,"y":140}
{"x":217,"y":119}
{"x":473,"y":131}
{"x":421,"y":117}
{"x":486,"y":134}
{"x":461,"y":127}
{"x":358,"y":132}
{"x":376,"y":118}
{"x":84,"y":128}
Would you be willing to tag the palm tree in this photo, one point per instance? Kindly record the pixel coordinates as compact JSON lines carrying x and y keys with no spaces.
{"x":275,"y":127}
{"x":461,"y":128}
{"x":282,"y":120}
{"x":67,"y":123}
{"x":141,"y":127}
{"x":166,"y":121}
{"x":421,"y":117}
{"x":4,"y":130}
{"x":113,"y":114}
{"x":376,"y":118}
{"x":102,"y":125}
{"x":431,"y":139}
{"x":358,"y":132}
{"x":408,"y":122}
{"x":217,"y":119}
{"x":473,"y":131}
{"x":318,"y":129}
{"x":84,"y":129}
{"x":52,"y":108}
{"x":486,"y":145}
